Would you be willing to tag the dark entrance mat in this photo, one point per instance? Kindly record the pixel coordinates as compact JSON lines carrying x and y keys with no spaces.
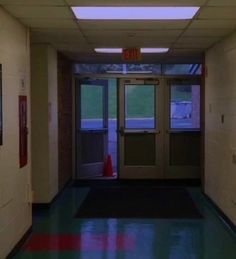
{"x":125,"y":202}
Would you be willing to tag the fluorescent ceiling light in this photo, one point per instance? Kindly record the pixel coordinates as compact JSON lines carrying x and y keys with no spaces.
{"x":143,"y":50}
{"x":134,"y":13}
{"x":154,"y":50}
{"x":108,"y":50}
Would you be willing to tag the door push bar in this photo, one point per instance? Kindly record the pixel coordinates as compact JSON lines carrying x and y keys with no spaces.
{"x":183,"y":131}
{"x":122,"y":131}
{"x":105,"y":130}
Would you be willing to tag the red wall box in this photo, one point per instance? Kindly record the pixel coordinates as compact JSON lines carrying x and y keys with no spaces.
{"x":23,"y":131}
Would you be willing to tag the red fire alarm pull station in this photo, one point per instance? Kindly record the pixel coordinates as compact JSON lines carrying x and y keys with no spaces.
{"x":23,"y":131}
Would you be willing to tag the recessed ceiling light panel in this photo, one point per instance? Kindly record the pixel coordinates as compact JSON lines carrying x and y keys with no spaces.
{"x":143,"y":50}
{"x":154,"y":50}
{"x":108,"y":50}
{"x":134,"y":13}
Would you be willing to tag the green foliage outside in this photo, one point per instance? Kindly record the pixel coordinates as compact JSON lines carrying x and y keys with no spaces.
{"x":112,"y":99}
{"x":91,"y":102}
{"x":139,"y":101}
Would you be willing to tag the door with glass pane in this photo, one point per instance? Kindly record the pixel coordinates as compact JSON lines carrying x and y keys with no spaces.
{"x":91,"y":127}
{"x":183,"y":135}
{"x":140,"y":128}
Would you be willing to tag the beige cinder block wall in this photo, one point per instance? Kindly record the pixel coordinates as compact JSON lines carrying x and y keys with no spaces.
{"x":220,"y":139}
{"x":15,"y":183}
{"x":44,"y":110}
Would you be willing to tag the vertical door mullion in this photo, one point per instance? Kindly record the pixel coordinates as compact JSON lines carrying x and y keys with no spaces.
{"x":121,"y":117}
{"x":167,"y":126}
{"x":78,"y":104}
{"x":105,"y":106}
{"x":105,"y":117}
{"x":157,"y":121}
{"x":161,"y":116}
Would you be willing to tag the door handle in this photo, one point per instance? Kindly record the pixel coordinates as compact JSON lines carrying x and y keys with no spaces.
{"x":149,"y":131}
{"x":121,"y":131}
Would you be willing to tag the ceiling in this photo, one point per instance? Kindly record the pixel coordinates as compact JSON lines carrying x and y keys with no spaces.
{"x":52,"y":21}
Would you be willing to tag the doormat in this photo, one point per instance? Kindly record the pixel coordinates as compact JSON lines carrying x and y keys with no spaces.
{"x":124,"y":202}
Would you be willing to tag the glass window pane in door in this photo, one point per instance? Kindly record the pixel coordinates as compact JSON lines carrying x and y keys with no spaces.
{"x":91,"y":107}
{"x":139,"y":106}
{"x":185,"y":107}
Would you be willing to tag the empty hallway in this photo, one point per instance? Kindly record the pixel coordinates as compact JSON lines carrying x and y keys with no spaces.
{"x":118,"y":129}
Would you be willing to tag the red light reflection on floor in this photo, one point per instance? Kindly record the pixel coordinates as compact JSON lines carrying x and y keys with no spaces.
{"x":85,"y":242}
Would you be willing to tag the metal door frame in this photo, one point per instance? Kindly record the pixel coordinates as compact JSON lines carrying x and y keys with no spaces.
{"x":164,"y":80}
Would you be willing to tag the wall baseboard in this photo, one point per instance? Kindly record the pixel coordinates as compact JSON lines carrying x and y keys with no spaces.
{"x":227,"y":221}
{"x":20,"y":243}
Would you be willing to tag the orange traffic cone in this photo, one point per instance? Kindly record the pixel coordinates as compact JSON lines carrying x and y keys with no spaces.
{"x":108,"y":170}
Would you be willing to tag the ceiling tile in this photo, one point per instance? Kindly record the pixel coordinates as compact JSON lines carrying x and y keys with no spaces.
{"x":57,"y":35}
{"x":195,"y":42}
{"x":133,"y":33}
{"x":132,"y":25}
{"x":193,"y":45}
{"x":136,"y":3}
{"x":52,"y":21}
{"x":206,"y":32}
{"x":210,"y":24}
{"x":121,"y":42}
{"x":49,"y":23}
{"x":113,"y":59}
{"x":185,"y":51}
{"x":221,"y":3}
{"x":136,"y":42}
{"x":217,"y":13}
{"x":71,"y":47}
{"x":39,"y":11}
{"x":197,"y":39}
{"x":30,"y":2}
{"x":94,"y":59}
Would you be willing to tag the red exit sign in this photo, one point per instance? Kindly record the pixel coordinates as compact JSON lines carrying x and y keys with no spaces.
{"x":132,"y":54}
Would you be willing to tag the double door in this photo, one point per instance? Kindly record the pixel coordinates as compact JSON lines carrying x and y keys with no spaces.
{"x":158,"y":132}
{"x":159,"y":128}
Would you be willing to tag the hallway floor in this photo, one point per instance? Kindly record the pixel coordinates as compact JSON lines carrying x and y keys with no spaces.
{"x":58,"y":234}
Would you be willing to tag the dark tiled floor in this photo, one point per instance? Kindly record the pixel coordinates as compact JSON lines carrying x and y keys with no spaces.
{"x":58,"y":234}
